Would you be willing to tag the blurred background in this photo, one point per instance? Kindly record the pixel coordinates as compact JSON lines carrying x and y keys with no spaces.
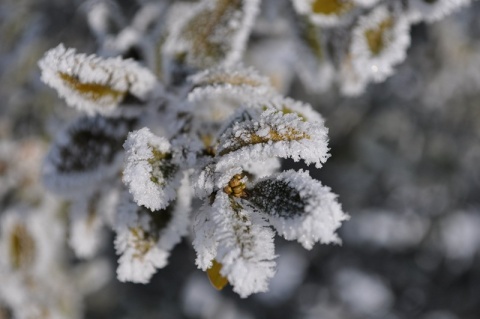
{"x":405,"y":163}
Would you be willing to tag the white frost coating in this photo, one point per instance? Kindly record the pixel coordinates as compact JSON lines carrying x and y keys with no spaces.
{"x":302,"y":109}
{"x":304,"y":7}
{"x":395,"y":42}
{"x":204,"y":241}
{"x":243,"y":83}
{"x":255,"y":140}
{"x":138,"y":172}
{"x":245,"y":246}
{"x":208,"y":180}
{"x":318,"y":220}
{"x":203,"y":181}
{"x":86,"y":223}
{"x":231,"y":35}
{"x":262,"y":168}
{"x":71,"y":182}
{"x":420,"y":10}
{"x":142,"y":254}
{"x":93,"y":84}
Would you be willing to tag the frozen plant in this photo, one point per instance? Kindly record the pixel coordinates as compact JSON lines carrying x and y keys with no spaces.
{"x":171,"y":110}
{"x":215,"y":131}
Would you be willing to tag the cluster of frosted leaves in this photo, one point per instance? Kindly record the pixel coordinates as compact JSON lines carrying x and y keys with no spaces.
{"x":233,"y":234}
{"x":144,"y":237}
{"x":96,"y":85}
{"x":231,"y":159}
{"x":212,"y":32}
{"x":357,"y":42}
{"x":229,"y":164}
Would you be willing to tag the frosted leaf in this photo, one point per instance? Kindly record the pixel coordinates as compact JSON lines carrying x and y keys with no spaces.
{"x":204,"y":241}
{"x":236,"y":82}
{"x":314,"y":68}
{"x":145,"y":238}
{"x":325,"y":12}
{"x":150,"y":173}
{"x":299,"y":207}
{"x":86,"y":154}
{"x":245,"y":246}
{"x":86,"y":223}
{"x":274,"y":134}
{"x":30,"y":241}
{"x":431,"y":11}
{"x":380,"y":41}
{"x":93,"y":84}
{"x":214,"y":32}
